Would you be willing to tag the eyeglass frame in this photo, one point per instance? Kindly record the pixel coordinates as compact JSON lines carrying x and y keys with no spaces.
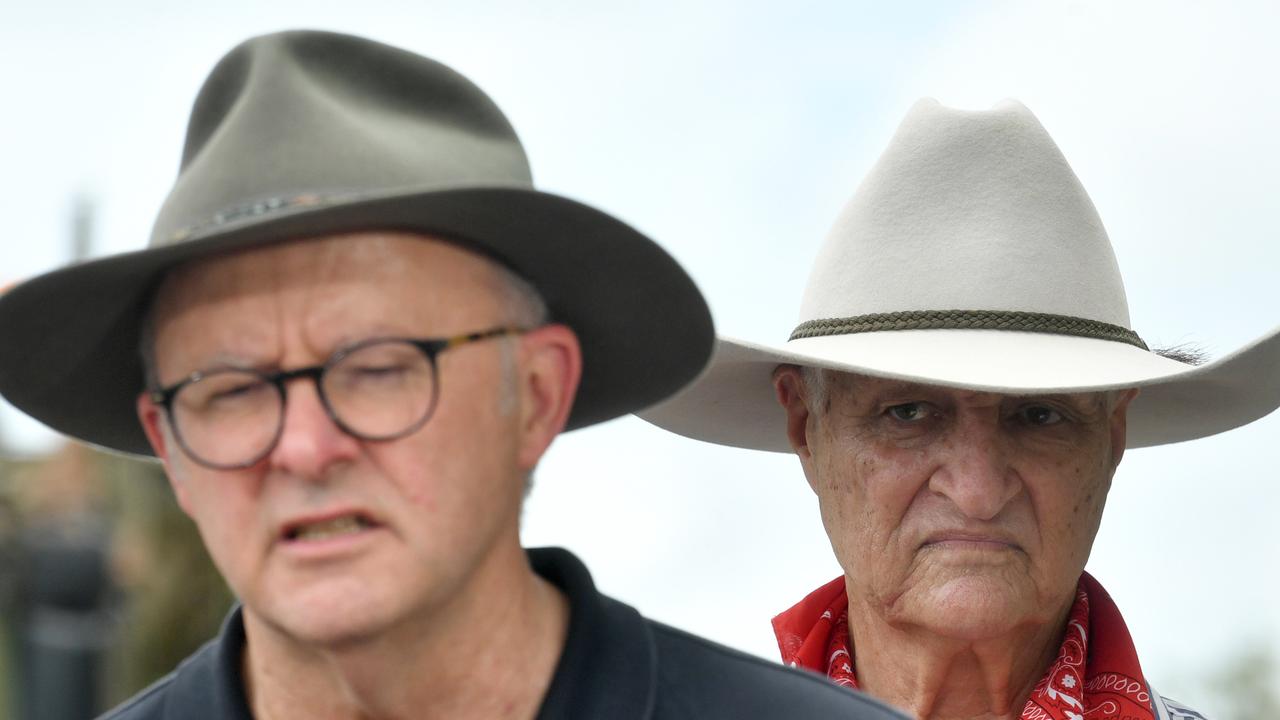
{"x":431,"y":348}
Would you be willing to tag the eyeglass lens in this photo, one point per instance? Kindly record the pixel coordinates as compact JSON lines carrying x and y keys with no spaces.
{"x":232,"y":418}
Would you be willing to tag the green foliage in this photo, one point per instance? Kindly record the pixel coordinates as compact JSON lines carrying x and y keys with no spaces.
{"x":176,"y":598}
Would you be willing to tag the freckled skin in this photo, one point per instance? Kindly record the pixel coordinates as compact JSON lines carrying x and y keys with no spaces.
{"x":960,"y":518}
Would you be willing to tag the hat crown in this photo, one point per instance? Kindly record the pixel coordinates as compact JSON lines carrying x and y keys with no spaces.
{"x":293,"y":118}
{"x":968,"y":211}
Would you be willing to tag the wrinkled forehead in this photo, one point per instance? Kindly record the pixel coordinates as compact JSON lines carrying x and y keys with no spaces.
{"x":319,"y":294}
{"x":839,"y":385}
{"x":387,"y":259}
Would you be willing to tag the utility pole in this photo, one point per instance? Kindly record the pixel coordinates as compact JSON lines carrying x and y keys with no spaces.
{"x":82,"y":211}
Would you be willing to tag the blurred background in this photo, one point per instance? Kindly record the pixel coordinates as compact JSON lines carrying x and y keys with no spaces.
{"x":732,"y":132}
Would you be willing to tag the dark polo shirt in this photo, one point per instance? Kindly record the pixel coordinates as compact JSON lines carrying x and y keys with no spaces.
{"x":616,"y":665}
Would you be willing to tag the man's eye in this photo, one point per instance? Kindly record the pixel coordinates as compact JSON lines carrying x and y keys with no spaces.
{"x":237,"y":391}
{"x":909,"y":412}
{"x":1039,"y":415}
{"x":379,"y":371}
{"x":226,"y":389}
{"x":375,"y":375}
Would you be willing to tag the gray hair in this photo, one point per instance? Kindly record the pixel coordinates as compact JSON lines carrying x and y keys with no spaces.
{"x":522,"y":307}
{"x":521,"y":302}
{"x":817,"y":388}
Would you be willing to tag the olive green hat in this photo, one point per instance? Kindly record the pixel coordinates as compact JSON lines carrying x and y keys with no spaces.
{"x":302,"y":133}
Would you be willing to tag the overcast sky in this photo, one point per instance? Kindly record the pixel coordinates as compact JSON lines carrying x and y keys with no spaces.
{"x":732,"y":132}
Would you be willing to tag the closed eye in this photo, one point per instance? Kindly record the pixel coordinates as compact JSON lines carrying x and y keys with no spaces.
{"x":375,"y":371}
{"x":236,"y":391}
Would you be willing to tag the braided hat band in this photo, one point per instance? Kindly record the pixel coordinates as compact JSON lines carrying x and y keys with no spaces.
{"x":968,"y":320}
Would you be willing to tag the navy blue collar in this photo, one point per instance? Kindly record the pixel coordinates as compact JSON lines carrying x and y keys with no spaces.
{"x":608,"y":668}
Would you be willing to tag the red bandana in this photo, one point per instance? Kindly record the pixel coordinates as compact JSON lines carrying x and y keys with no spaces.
{"x":1095,"y":677}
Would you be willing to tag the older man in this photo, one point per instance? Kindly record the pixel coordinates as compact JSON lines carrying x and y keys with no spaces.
{"x":960,"y":389}
{"x":359,"y":329}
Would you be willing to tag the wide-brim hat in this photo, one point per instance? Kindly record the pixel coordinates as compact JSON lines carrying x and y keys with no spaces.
{"x":971,"y":257}
{"x":299,"y":134}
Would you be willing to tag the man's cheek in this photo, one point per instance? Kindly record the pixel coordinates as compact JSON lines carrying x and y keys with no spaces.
{"x":852,"y":535}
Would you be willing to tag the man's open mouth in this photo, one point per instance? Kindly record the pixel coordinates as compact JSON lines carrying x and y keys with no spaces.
{"x":330,"y":528}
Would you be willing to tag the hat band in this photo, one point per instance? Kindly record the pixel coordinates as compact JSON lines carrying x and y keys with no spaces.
{"x":968,"y":320}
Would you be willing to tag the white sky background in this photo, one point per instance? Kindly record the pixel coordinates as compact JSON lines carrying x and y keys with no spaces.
{"x":733,"y":132}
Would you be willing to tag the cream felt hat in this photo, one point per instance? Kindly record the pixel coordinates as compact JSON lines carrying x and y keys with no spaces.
{"x":972,"y":257}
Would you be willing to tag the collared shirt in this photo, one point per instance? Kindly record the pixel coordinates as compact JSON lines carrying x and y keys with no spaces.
{"x":616,"y":665}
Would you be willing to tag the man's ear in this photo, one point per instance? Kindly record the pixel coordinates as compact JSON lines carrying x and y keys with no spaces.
{"x":549,"y":373}
{"x":1119,"y":421}
{"x":152,"y":418}
{"x":789,"y":388}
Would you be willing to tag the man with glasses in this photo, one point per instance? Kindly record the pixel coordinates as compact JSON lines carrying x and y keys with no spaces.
{"x":356,"y":331}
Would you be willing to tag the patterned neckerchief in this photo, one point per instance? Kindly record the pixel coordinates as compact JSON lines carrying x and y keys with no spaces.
{"x":1096,"y":675}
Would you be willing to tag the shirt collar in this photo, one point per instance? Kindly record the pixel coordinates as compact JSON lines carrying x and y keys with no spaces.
{"x":609,"y":664}
{"x":608,"y":667}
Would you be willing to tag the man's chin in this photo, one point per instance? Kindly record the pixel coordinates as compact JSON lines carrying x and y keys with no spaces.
{"x":328,"y":621}
{"x":967,"y":607}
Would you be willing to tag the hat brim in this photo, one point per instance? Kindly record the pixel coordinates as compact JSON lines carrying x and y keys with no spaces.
{"x":72,"y":359}
{"x":733,"y":403}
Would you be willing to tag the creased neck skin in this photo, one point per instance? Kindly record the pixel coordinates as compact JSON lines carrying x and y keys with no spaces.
{"x":934,"y":677}
{"x":490,"y":654}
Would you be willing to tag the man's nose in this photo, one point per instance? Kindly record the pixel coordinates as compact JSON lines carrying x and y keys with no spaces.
{"x":310,"y":442}
{"x":974,"y":469}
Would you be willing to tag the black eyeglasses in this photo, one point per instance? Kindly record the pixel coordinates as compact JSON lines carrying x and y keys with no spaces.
{"x":379,"y":389}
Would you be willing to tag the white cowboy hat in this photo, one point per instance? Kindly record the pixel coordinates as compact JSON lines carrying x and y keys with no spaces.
{"x":971,"y":257}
